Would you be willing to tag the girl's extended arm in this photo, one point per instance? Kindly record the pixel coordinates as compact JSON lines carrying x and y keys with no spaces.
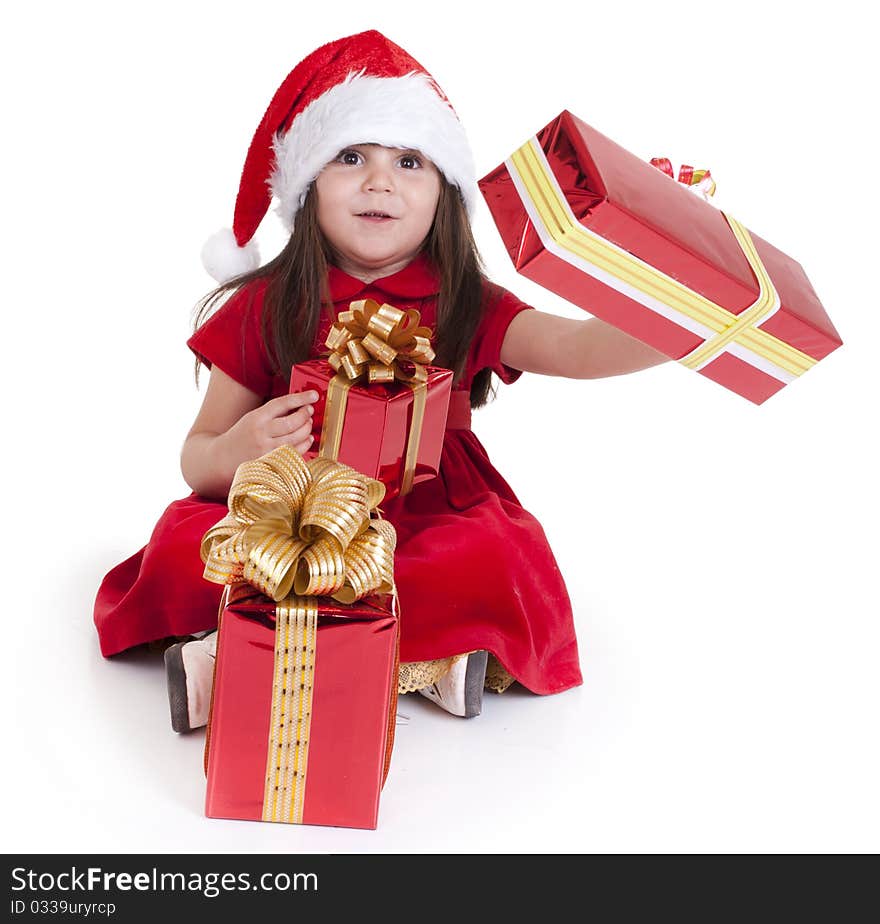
{"x":577,"y":349}
{"x":234,"y":426}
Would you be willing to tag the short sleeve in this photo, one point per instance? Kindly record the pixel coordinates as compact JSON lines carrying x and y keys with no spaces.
{"x":232,"y":340}
{"x":499,"y":309}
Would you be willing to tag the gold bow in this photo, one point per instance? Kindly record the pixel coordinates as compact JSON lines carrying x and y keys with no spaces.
{"x":381,"y":343}
{"x":305,"y":526}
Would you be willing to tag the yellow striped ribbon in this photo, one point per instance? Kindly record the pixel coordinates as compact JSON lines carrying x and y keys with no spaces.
{"x":530,"y":167}
{"x":292,"y":685}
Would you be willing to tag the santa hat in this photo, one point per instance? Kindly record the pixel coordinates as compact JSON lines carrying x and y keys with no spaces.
{"x":362,"y":89}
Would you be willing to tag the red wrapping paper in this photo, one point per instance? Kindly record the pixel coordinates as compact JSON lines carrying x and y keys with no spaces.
{"x":377,"y":423}
{"x":632,"y":204}
{"x":353,"y":710}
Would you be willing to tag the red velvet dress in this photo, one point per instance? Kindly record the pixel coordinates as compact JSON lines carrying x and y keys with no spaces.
{"x":473,"y":568}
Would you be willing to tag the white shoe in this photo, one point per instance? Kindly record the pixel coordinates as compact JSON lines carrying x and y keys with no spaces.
{"x":189,"y":670}
{"x":460,"y":690}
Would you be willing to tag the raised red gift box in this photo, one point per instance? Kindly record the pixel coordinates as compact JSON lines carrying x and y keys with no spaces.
{"x":611,"y":233}
{"x":378,"y":421}
{"x":353,"y":708}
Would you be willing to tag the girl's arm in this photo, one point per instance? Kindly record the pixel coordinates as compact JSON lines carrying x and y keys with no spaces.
{"x":577,"y":349}
{"x":234,"y":425}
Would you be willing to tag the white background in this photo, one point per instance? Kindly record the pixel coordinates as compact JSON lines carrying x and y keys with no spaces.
{"x":721,"y":557}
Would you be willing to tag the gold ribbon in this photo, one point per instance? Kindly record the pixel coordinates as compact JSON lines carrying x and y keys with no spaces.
{"x":309,"y":527}
{"x":287,"y":754}
{"x":380,"y":342}
{"x":532,"y":171}
{"x":377,"y":343}
{"x":302,"y":526}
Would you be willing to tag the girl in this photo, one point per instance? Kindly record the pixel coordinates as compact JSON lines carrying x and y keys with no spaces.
{"x":374,"y":180}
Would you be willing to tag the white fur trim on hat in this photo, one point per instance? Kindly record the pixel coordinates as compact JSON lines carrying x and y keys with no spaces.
{"x":224,"y":259}
{"x":397,"y":112}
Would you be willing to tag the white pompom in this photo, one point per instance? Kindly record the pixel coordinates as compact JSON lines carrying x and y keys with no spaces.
{"x":223,"y":258}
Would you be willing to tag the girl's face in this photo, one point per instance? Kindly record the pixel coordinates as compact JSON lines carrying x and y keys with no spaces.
{"x":376,"y":206}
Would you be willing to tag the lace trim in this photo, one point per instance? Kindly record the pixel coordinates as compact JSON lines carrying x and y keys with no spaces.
{"x":414,"y":675}
{"x":497,"y":677}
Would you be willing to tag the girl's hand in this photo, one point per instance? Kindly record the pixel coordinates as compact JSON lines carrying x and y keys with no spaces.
{"x":286,"y":420}
{"x":235,"y":426}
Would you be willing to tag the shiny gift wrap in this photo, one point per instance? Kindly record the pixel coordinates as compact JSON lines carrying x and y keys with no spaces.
{"x":341,"y":726}
{"x":381,"y":408}
{"x":614,"y":235}
{"x":305,"y":686}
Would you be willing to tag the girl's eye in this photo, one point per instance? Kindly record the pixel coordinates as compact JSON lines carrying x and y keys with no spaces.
{"x":349,"y":157}
{"x":410,"y":161}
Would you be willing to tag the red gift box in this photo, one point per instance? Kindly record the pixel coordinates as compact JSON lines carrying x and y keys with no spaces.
{"x":377,"y":423}
{"x":611,"y":233}
{"x":310,"y":744}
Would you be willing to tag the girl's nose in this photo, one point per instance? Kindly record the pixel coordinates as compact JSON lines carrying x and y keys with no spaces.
{"x":378,"y":179}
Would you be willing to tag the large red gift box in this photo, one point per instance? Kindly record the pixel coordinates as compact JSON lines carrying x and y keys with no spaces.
{"x":377,"y":423}
{"x":301,"y":731}
{"x":611,"y":233}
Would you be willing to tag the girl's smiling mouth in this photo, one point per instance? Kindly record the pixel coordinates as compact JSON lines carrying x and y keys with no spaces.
{"x":376,"y":216}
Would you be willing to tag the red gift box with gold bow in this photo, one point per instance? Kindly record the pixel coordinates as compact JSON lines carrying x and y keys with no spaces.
{"x":305,"y":684}
{"x":333,"y":772}
{"x":382,"y":408}
{"x":619,"y":237}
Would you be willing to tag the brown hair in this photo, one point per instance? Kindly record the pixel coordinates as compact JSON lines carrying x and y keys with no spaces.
{"x":297,"y":290}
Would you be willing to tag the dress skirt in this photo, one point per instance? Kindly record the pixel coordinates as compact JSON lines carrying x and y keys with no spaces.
{"x":473,"y":571}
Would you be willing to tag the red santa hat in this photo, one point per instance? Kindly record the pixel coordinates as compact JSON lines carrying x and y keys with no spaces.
{"x":362,"y":89}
